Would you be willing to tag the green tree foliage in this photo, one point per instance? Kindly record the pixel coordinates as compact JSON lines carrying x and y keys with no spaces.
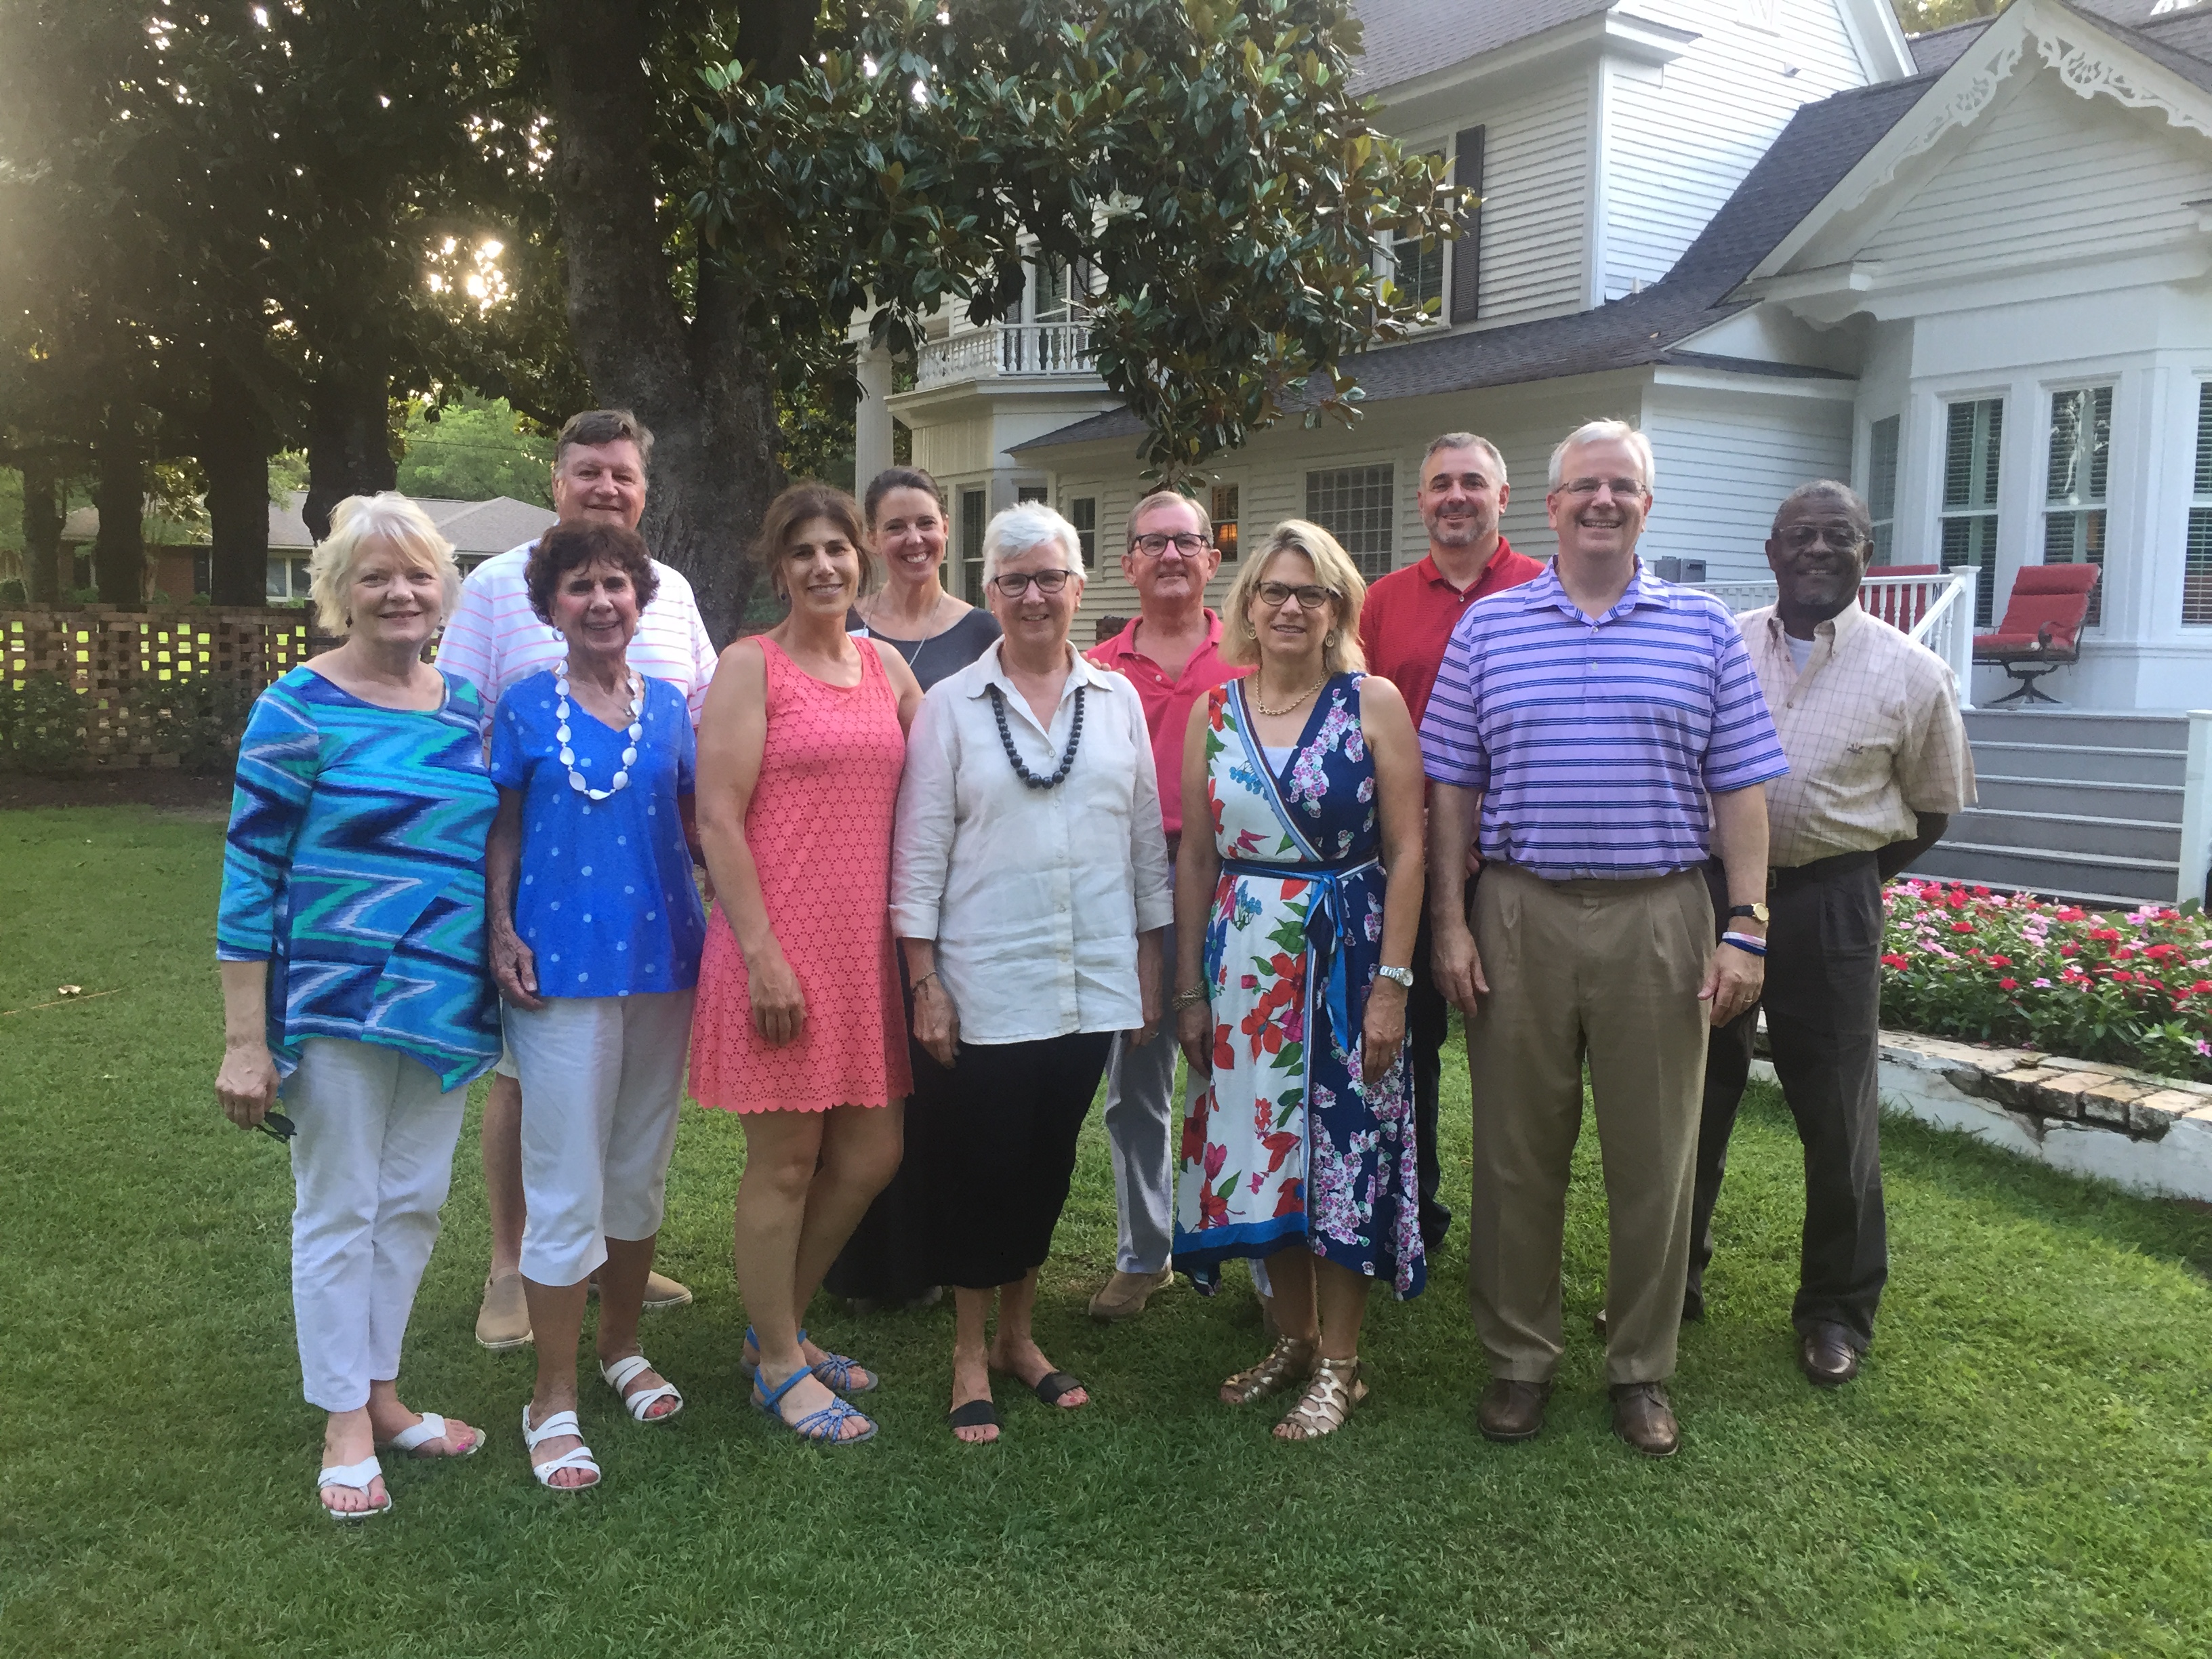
{"x":473,"y":449}
{"x":1920,"y":16}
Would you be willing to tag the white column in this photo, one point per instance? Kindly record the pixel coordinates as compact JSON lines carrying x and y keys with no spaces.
{"x":2196,"y":810}
{"x":871,"y":417}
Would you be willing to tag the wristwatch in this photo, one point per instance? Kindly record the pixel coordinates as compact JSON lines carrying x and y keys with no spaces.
{"x":1758,"y":912}
{"x":1397,"y":976}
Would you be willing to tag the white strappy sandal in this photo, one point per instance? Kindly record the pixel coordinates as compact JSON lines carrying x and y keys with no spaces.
{"x":432,"y":1427}
{"x":577,"y":1457}
{"x":354,"y":1477}
{"x":621,"y":1371}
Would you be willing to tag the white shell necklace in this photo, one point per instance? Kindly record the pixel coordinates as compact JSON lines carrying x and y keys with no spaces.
{"x":568,"y":756}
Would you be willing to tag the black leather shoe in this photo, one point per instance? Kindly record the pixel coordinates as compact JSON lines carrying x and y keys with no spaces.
{"x":1643,"y":1417}
{"x":1513,"y":1411}
{"x":1828,"y":1358}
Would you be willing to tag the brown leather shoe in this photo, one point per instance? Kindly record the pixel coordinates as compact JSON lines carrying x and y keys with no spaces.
{"x":1513,"y":1411}
{"x":1642,"y":1417}
{"x":1828,"y":1358}
{"x":1124,"y":1295}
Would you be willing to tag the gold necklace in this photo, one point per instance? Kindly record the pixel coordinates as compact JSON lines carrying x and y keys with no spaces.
{"x":1259,"y":707}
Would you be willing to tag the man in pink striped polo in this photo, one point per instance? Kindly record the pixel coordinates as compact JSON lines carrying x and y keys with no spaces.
{"x":495,"y":639}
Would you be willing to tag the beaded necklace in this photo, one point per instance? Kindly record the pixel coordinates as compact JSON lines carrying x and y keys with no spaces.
{"x":568,"y":756}
{"x":1006,"y":741}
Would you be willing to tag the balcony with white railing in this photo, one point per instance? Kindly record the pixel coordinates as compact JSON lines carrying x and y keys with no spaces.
{"x":1936,"y":611}
{"x":1005,"y":352}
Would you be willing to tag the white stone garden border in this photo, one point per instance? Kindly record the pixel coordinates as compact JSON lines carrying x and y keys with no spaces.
{"x":2152,"y":1134}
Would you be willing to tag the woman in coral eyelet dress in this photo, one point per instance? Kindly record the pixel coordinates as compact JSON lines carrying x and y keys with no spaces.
{"x":799,"y":1027}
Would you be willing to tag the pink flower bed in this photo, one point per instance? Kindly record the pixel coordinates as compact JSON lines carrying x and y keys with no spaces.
{"x":2134,"y":989}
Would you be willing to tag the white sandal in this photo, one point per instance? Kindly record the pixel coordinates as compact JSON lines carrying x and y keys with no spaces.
{"x":432,"y":1427}
{"x":623,"y":1371}
{"x":354,"y":1477}
{"x":577,"y":1457}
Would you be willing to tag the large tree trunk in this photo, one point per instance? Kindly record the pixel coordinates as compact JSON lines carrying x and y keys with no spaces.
{"x":699,"y":385}
{"x":348,"y":440}
{"x":234,"y":457}
{"x":118,"y":557}
{"x":42,"y":530}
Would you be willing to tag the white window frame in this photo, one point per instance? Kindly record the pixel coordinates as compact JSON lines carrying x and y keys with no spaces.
{"x":1235,"y":487}
{"x":1985,"y":559}
{"x":1086,"y":536}
{"x":1367,"y":561}
{"x":2197,"y":555}
{"x":1439,"y":146}
{"x":1885,"y":522}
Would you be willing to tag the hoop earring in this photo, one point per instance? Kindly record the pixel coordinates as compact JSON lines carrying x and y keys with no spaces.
{"x":1328,"y":641}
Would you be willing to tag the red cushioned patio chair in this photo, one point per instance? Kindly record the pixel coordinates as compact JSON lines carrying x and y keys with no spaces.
{"x":1902,"y":608}
{"x":2041,"y":627}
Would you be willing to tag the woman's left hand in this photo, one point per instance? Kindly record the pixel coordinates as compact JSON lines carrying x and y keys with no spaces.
{"x":246,"y":1084}
{"x":1383,"y":1030}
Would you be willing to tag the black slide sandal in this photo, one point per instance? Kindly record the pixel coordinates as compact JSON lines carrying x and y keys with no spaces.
{"x":975,"y":1414}
{"x":1052,"y":1386}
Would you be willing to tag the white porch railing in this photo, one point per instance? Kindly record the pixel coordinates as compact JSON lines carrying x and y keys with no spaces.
{"x":1937,"y":611}
{"x":1005,"y":350}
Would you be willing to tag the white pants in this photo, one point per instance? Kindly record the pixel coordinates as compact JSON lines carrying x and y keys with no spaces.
{"x":602,"y":1083}
{"x":370,"y":1166}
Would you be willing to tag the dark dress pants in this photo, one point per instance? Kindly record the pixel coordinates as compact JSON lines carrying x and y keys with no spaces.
{"x":1428,"y":1021}
{"x":1823,"y":1004}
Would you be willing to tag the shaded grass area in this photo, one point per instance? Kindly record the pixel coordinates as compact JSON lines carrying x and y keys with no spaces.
{"x":2026,"y":1466}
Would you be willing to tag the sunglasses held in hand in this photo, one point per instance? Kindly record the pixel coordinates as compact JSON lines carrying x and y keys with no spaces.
{"x":278,"y":1126}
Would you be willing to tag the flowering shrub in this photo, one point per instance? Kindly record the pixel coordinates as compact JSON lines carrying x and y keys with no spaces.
{"x":1962,"y":962}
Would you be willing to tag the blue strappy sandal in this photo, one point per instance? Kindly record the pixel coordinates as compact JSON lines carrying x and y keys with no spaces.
{"x":824,"y":1427}
{"x":836,"y":1371}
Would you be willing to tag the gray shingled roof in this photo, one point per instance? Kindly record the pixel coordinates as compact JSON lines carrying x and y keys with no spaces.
{"x":1405,"y":38}
{"x":1822,"y":142}
{"x":2164,"y":40}
{"x":1937,"y":50}
{"x":473,"y":528}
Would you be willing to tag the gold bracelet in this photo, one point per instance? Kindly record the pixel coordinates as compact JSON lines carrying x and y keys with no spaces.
{"x":1191,"y":997}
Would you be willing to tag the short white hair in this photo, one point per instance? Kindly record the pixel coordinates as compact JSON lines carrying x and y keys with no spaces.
{"x":1013,"y":532}
{"x":1598,"y":432}
{"x":388,"y":517}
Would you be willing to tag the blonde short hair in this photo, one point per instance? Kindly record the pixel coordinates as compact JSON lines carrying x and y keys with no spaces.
{"x":388,"y":517}
{"x":1333,"y":568}
{"x":1598,"y":432}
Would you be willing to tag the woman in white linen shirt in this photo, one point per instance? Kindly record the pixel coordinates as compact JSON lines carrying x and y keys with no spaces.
{"x":1029,"y":892}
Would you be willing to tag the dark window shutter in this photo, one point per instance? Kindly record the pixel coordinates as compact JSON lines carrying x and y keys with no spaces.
{"x":1467,"y":252}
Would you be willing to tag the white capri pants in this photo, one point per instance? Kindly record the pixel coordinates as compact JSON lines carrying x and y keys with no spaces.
{"x":370,"y":1166}
{"x":602,"y":1083}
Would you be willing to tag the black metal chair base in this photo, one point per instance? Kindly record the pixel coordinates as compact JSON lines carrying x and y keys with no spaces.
{"x":2028,"y":692}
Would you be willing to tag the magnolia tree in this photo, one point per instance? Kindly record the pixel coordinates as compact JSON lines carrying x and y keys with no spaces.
{"x":721,"y":229}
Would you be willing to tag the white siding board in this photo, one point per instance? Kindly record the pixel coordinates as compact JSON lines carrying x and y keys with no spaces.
{"x":1724,"y":465}
{"x":1679,"y":143}
{"x":1535,"y":195}
{"x":2047,"y":175}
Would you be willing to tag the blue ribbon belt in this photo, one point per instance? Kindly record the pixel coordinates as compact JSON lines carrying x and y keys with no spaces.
{"x":1329,"y":924}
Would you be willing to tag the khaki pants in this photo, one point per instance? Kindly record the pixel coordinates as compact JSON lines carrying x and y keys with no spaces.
{"x":1605,"y":970}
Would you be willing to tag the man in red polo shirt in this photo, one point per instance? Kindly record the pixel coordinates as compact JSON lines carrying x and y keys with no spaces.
{"x":1404,"y":627}
{"x":1171,"y":653}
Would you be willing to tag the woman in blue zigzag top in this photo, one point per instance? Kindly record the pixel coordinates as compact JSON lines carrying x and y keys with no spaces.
{"x":351,"y":937}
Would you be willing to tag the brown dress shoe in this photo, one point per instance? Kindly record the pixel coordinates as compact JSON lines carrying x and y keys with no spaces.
{"x":1642,"y":1417}
{"x":1124,"y":1295}
{"x":1828,"y":1358}
{"x":1513,"y":1411}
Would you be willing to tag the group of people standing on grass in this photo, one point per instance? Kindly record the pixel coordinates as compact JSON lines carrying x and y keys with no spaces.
{"x":948,"y":890}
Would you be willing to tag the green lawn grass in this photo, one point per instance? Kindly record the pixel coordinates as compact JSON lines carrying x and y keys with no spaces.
{"x":2026,"y":1466}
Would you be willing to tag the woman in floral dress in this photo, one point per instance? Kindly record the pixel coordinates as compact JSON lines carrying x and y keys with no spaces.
{"x":1296,"y":927}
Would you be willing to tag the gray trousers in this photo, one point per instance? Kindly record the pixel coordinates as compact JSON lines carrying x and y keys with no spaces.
{"x":1140,"y":1129}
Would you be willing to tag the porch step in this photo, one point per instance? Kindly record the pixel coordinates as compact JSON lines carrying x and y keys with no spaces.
{"x":2054,"y":872}
{"x":2148,"y":803}
{"x":2062,"y":762}
{"x":2074,"y":831}
{"x":2067,"y":728}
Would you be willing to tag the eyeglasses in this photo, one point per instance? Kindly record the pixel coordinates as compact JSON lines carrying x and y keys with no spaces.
{"x":278,"y":1126}
{"x":1311,"y":596}
{"x":1048,"y":582}
{"x":1799,"y":538}
{"x":1591,"y":486}
{"x":1155,"y":546}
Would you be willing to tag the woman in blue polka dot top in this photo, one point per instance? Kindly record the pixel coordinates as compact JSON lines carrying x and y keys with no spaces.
{"x":596,"y":931}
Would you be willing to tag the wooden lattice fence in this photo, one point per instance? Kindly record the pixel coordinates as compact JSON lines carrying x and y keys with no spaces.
{"x":149,"y":688}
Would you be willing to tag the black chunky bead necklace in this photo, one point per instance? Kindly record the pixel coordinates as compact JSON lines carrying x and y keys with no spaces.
{"x":1006,"y":741}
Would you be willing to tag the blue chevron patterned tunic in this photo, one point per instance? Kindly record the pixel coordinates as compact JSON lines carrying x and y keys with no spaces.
{"x":355,"y":867}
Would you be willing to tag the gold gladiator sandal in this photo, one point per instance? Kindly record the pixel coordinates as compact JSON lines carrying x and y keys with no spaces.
{"x":1327,"y":1401}
{"x":1290,"y":1360}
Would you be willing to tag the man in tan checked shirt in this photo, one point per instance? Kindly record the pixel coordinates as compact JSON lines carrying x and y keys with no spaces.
{"x":1878,"y":762}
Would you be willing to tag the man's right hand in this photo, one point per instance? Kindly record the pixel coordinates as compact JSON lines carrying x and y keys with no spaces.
{"x":1458,"y":966}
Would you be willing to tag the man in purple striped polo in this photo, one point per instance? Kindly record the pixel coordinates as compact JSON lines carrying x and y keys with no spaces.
{"x":1580,"y":726}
